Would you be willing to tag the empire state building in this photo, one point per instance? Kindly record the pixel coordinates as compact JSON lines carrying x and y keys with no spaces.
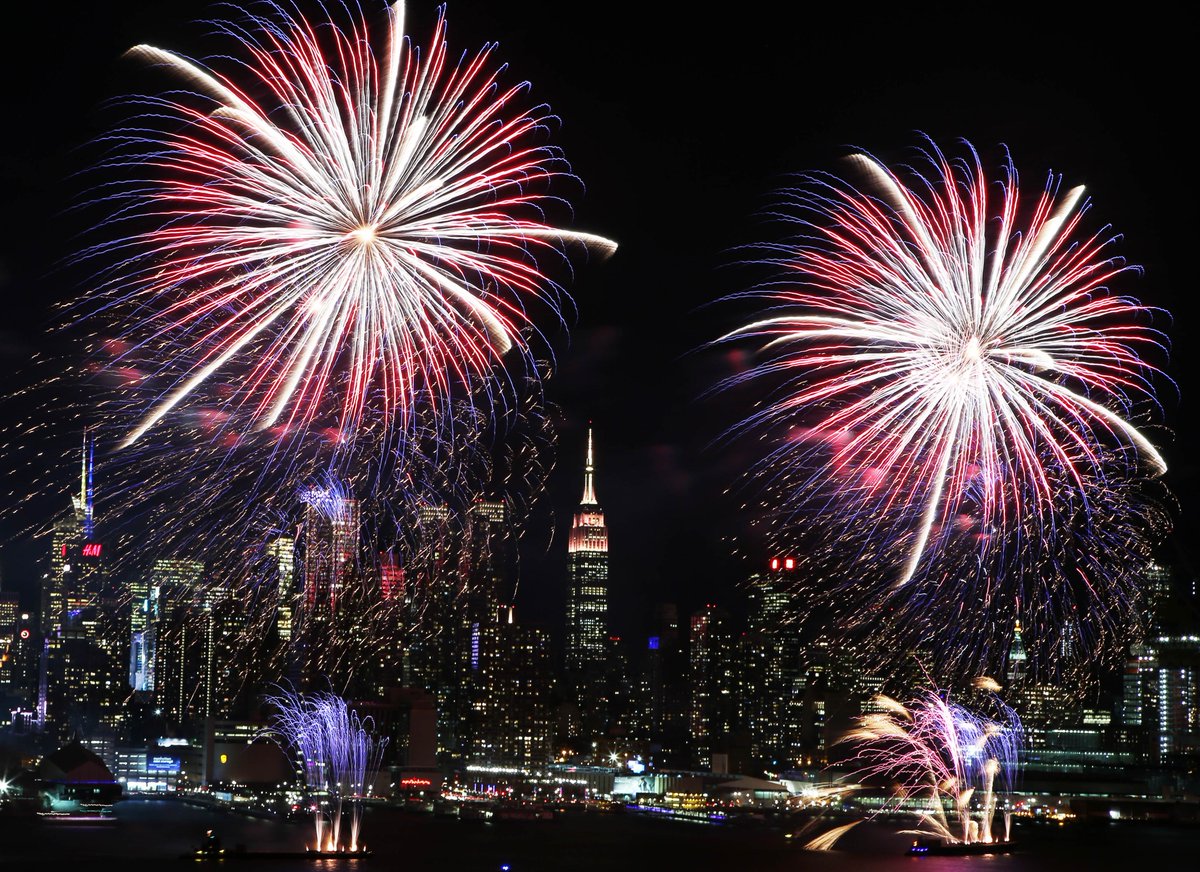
{"x":587,"y":579}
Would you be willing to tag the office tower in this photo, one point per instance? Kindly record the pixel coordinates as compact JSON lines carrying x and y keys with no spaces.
{"x":391,"y":578}
{"x":587,"y":578}
{"x":668,"y":687}
{"x":193,"y":636}
{"x":455,"y":583}
{"x":83,"y":678}
{"x":281,"y":551}
{"x":434,"y":589}
{"x":773,"y":674}
{"x":330,"y":534}
{"x":712,"y":677}
{"x":330,"y":601}
{"x":487,"y":562}
{"x":1160,"y":710}
{"x":510,"y":720}
{"x":10,"y":611}
{"x":143,"y":606}
{"x":1016,"y":658}
{"x":587,"y":605}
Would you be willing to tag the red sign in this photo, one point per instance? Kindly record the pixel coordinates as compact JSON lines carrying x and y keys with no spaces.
{"x":415,"y":782}
{"x":91,"y":549}
{"x":24,"y":634}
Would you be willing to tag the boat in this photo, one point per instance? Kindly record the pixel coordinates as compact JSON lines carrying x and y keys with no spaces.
{"x":942,"y":848}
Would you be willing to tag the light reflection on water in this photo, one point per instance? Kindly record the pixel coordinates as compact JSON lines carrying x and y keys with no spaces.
{"x":153,"y":832}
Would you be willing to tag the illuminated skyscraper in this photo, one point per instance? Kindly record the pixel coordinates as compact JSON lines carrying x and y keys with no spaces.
{"x":453,"y":586}
{"x":772,"y":677}
{"x":711,"y":673}
{"x":10,"y":610}
{"x":329,"y":597}
{"x":587,"y":579}
{"x":180,"y":639}
{"x":83,"y":678}
{"x":331,"y":536}
{"x":282,"y":553}
{"x":511,"y":680}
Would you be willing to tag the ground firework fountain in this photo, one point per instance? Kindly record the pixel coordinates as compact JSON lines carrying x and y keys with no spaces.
{"x":340,"y":760}
{"x":946,"y":759}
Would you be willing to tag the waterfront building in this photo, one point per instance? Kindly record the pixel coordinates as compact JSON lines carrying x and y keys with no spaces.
{"x":713,"y":682}
{"x":1160,"y":709}
{"x":771,"y":690}
{"x":511,"y":681}
{"x":669,"y":694}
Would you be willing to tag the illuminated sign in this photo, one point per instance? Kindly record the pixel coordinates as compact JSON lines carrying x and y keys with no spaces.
{"x":24,"y":634}
{"x":653,"y":644}
{"x":64,"y":551}
{"x":774,"y":562}
{"x":168,"y":765}
{"x":91,"y":549}
{"x":415,"y":782}
{"x":789,"y":563}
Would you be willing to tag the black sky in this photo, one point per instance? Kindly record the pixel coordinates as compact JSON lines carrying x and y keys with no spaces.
{"x":681,"y":126}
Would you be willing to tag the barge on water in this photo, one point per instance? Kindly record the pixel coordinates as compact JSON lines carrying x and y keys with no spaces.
{"x":942,"y":848}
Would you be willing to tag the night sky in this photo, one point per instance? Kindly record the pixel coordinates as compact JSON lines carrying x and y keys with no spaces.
{"x":681,"y":127}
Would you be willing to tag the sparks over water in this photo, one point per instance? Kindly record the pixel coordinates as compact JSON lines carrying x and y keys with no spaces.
{"x":954,"y":367}
{"x":340,"y":228}
{"x":936,"y":750}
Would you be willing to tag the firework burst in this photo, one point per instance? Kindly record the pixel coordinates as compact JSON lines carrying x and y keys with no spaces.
{"x":338,"y":233}
{"x":957,"y":386}
{"x":340,"y":759}
{"x":943,"y":757}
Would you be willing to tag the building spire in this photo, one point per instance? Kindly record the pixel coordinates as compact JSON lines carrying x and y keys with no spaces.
{"x":84,"y":501}
{"x":589,"y":483}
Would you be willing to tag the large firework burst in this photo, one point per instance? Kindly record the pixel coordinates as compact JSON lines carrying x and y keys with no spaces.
{"x":957,"y":389}
{"x":345,"y":229}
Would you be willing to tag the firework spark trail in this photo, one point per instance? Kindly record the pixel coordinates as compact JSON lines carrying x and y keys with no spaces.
{"x":951,"y":364}
{"x":343,"y":234}
{"x":940,"y":751}
{"x":340,"y":758}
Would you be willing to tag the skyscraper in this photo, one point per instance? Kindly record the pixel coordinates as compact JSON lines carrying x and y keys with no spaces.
{"x":711,"y":672}
{"x":282,"y":553}
{"x":331,"y":537}
{"x":85,"y":629}
{"x":511,"y":680}
{"x":587,"y":578}
{"x":326,"y":614}
{"x":773,"y":674}
{"x":587,"y":603}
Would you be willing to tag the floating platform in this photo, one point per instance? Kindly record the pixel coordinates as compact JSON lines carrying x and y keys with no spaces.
{"x":220,"y":856}
{"x":939,"y":848}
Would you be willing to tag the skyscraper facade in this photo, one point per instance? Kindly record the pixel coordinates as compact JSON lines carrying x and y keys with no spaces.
{"x":587,"y":603}
{"x":773,"y":668}
{"x":511,"y":680}
{"x":587,"y":577}
{"x":713,"y":680}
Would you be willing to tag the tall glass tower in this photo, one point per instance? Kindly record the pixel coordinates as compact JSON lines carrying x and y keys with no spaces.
{"x":587,"y":579}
